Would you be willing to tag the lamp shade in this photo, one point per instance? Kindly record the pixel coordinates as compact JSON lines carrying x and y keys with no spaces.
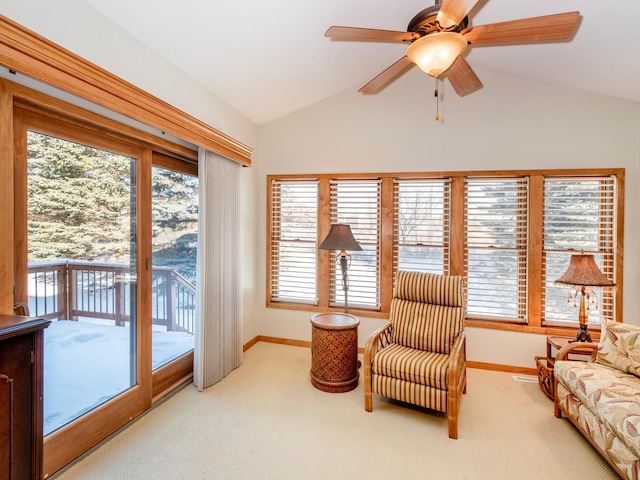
{"x":340,"y":238}
{"x":436,"y":52}
{"x":583,"y":271}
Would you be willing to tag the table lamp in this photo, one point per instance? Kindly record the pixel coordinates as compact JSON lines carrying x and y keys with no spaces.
{"x":341,"y":238}
{"x":582,"y":273}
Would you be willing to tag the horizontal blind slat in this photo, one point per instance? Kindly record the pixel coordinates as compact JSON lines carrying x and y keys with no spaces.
{"x":579,"y":215}
{"x":422,"y":225}
{"x":357,"y":204}
{"x":496,"y":247}
{"x":294,"y":220}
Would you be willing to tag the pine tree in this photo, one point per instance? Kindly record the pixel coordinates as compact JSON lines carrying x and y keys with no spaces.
{"x":79,"y":201}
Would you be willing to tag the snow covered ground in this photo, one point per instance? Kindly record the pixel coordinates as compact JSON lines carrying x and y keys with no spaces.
{"x":86,"y":364}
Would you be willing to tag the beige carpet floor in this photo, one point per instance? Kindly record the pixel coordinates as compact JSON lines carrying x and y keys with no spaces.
{"x":266,"y":421}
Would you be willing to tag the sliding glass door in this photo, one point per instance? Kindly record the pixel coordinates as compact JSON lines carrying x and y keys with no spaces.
{"x":81,"y":212}
{"x":105,"y":234}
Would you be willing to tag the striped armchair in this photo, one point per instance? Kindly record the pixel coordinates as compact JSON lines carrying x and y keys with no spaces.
{"x":419,"y":357}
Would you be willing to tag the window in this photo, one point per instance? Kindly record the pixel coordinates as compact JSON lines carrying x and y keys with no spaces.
{"x":294,"y":220}
{"x":422,"y":224}
{"x":357,"y":203}
{"x":510,"y":233}
{"x":579,"y":215}
{"x":496,"y":247}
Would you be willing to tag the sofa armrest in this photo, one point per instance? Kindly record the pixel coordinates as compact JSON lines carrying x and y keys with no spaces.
{"x":588,"y":347}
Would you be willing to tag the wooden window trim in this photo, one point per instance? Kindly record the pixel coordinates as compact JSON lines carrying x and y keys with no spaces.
{"x":24,"y":51}
{"x":41,"y":103}
{"x":456,"y":266}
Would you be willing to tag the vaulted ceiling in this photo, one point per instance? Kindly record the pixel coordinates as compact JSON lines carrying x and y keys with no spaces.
{"x":267,"y":58}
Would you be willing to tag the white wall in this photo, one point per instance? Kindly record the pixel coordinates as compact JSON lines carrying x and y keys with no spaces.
{"x":77,"y":26}
{"x":511,"y":123}
{"x":81,"y":29}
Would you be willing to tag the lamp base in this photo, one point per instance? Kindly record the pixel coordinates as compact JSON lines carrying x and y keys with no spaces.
{"x":582,"y":335}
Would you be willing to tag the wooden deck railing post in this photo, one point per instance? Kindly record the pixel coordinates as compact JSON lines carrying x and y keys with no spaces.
{"x":72,"y":279}
{"x":119,"y":292}
{"x":63,"y":293}
{"x":171,"y":304}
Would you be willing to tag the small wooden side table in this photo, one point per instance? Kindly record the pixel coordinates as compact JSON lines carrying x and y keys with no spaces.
{"x":334,"y":352}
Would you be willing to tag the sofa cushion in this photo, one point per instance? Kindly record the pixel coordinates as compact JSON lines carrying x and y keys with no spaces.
{"x":611,"y":395}
{"x":415,"y":366}
{"x":613,"y":448}
{"x":619,"y":347}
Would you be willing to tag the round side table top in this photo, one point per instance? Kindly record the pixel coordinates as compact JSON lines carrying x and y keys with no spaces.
{"x":334,"y":321}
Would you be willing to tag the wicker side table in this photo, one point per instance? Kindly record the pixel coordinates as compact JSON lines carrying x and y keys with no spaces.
{"x":334,"y":352}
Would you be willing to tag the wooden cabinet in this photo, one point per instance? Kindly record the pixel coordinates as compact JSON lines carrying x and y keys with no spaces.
{"x":21,"y":362}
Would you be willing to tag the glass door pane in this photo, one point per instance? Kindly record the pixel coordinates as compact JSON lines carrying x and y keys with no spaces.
{"x":174,"y":241}
{"x":82,"y":272}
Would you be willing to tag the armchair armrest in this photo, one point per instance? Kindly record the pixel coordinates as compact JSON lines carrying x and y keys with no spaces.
{"x":456,"y":381}
{"x":588,"y":348}
{"x":379,"y":339}
{"x":457,"y":363}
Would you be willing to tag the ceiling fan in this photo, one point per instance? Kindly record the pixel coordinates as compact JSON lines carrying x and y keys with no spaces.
{"x":438,"y":35}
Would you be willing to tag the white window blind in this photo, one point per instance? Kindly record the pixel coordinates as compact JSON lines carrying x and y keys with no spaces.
{"x":422,"y":224}
{"x":294,"y":237}
{"x":579,"y":215}
{"x":496,"y":247}
{"x":357,"y":203}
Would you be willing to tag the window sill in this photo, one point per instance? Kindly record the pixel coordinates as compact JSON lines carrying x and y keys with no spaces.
{"x":469,"y":322}
{"x":519,"y":327}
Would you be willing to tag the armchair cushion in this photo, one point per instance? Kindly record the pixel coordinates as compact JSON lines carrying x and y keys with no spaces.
{"x":415,"y":366}
{"x":427,"y":311}
{"x":619,"y":347}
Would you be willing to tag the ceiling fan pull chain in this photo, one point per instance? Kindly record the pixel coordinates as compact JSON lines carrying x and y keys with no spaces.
{"x":437,"y":101}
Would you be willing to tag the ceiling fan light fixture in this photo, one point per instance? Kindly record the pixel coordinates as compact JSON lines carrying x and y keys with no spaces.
{"x":436,"y":52}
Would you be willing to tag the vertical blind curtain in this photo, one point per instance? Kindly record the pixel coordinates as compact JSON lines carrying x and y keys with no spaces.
{"x":218,"y":333}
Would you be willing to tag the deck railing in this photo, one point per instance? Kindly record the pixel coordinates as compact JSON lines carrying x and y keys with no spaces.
{"x":71,"y":289}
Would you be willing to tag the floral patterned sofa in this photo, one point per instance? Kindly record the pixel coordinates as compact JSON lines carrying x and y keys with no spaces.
{"x":602,"y":397}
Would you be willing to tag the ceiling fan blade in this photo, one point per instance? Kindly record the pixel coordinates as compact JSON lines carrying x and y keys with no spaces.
{"x":452,"y":12}
{"x":462,"y":78}
{"x":375,"y":85}
{"x":369,"y":34}
{"x":536,"y":29}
